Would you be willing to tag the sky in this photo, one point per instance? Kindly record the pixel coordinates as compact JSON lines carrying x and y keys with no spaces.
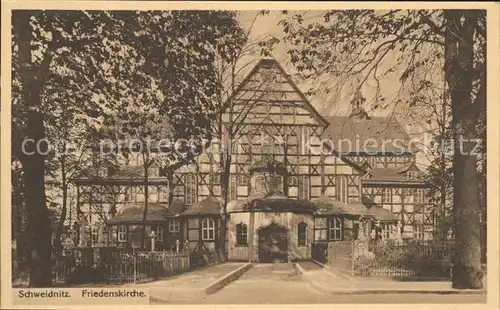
{"x":267,"y":25}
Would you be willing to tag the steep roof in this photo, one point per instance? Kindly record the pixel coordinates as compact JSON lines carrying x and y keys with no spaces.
{"x":330,"y":206}
{"x":134,"y":213}
{"x":386,"y":133}
{"x":381,"y":175}
{"x":124,"y":174}
{"x":272,"y":63}
{"x":208,"y":206}
{"x":275,"y":202}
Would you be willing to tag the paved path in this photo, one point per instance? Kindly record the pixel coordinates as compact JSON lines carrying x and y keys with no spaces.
{"x":328,"y":281}
{"x":283,"y":284}
{"x":187,"y":287}
{"x":267,"y":284}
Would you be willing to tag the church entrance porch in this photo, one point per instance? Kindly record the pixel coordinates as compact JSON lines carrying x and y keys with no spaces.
{"x":273,"y":244}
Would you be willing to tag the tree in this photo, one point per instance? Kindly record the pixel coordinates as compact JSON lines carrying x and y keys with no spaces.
{"x":72,"y":134}
{"x":358,"y":43}
{"x":98,"y":58}
{"x":140,"y":129}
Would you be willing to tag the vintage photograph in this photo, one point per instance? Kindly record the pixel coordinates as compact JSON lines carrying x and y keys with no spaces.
{"x":249,"y":156}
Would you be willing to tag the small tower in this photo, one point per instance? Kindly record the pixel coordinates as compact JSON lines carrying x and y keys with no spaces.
{"x":357,"y":105}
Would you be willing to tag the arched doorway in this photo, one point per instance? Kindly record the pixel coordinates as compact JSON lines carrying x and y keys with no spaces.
{"x":273,"y":244}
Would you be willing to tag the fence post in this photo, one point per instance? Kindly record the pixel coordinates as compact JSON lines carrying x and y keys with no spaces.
{"x":135,"y":266}
{"x":352,"y":258}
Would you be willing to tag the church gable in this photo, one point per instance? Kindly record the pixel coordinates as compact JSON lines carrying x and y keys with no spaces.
{"x":268,"y":96}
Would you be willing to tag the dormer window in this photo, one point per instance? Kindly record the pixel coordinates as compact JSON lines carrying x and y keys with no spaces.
{"x":154,"y":172}
{"x":412,"y":174}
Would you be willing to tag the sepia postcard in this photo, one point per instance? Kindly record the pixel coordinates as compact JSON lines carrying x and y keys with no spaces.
{"x":230,"y":154}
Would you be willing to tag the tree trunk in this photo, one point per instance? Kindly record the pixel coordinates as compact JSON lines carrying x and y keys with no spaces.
{"x":467,"y":272}
{"x":225,"y":158}
{"x":146,"y":194}
{"x":33,"y":162}
{"x":64,"y":210}
{"x":38,"y":224}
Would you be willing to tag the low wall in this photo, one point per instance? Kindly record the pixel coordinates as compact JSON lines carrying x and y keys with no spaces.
{"x":340,"y":257}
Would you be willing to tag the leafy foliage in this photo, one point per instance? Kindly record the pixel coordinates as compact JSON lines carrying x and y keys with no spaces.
{"x":71,"y":69}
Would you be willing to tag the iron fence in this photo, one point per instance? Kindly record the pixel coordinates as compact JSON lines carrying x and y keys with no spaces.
{"x":115,"y":266}
{"x":403,"y":260}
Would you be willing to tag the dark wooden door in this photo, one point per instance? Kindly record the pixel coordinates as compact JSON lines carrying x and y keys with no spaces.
{"x":320,"y":252}
{"x":273,"y":245}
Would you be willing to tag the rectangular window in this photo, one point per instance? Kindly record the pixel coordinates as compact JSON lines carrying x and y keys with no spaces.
{"x":418,"y":196}
{"x":386,"y":195}
{"x":387,"y":230}
{"x":418,"y":232}
{"x":159,"y":233}
{"x":162,"y":194}
{"x":122,"y":233}
{"x":241,"y":235}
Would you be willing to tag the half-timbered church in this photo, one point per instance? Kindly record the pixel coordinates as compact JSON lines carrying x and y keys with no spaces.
{"x":296,"y":178}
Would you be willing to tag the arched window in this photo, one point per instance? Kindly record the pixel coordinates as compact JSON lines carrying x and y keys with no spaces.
{"x":163,"y":194}
{"x":304,"y":188}
{"x":342,"y":193}
{"x":278,"y":184}
{"x":259,"y":183}
{"x":335,"y":231}
{"x":191,"y":189}
{"x":386,"y":195}
{"x":292,"y":181}
{"x":159,"y":233}
{"x":174,"y":226}
{"x":233,"y":188}
{"x":208,"y":229}
{"x":301,"y":234}
{"x":418,"y":196}
{"x":122,"y":233}
{"x":131,"y":194}
{"x":241,"y":234}
{"x":304,"y":142}
{"x":242,"y":180}
{"x":95,"y":235}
